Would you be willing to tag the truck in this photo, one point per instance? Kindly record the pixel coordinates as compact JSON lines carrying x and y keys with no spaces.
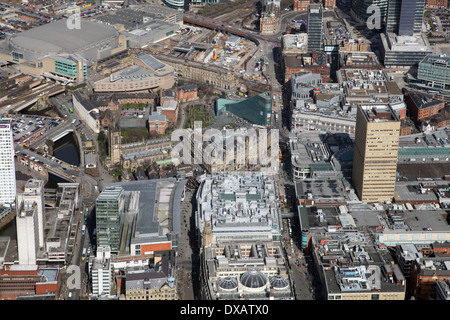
{"x":276,"y":117}
{"x":83,"y":229}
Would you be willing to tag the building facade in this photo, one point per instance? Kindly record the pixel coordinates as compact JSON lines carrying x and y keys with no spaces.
{"x":101,"y":272}
{"x":7,"y":167}
{"x":110,"y":210}
{"x":399,"y":17}
{"x":315,"y":27}
{"x":375,"y":153}
{"x":434,"y":72}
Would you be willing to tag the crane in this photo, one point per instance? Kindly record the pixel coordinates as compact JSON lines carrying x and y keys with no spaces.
{"x":216,"y":46}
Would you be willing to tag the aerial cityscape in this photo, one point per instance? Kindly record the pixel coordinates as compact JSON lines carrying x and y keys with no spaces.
{"x":224,"y":150}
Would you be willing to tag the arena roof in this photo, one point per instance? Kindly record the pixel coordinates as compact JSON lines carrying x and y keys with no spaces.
{"x":56,"y":37}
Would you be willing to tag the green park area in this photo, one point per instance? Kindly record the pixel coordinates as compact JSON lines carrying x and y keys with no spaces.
{"x":198,"y":113}
{"x":134,"y":106}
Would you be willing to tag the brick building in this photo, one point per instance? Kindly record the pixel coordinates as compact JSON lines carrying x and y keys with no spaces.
{"x":157,"y":124}
{"x":112,"y":102}
{"x":170,"y":110}
{"x":187,"y":93}
{"x":26,"y":280}
{"x":437,"y":3}
{"x":427,"y":271}
{"x":301,"y":5}
{"x":421,"y":107}
{"x":329,"y":3}
{"x":317,"y":62}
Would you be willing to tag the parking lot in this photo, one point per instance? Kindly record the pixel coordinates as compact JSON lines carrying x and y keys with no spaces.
{"x":28,"y":128}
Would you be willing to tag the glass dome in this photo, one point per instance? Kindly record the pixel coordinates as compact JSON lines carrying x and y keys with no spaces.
{"x":253,"y":279}
{"x":278,"y":282}
{"x":228,"y":283}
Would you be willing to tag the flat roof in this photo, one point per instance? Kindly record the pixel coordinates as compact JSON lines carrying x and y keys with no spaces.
{"x":56,"y":37}
{"x":146,"y":225}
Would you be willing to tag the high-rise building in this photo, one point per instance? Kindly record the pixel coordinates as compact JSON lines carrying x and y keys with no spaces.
{"x":34,"y":192}
{"x":375,"y":153}
{"x":27,"y":232}
{"x":100,"y":271}
{"x":110,"y":210}
{"x":404,"y":17}
{"x":361,"y":9}
{"x":7,"y":168}
{"x":315,"y":27}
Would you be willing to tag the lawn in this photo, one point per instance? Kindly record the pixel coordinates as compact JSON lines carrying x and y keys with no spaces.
{"x":197,"y":113}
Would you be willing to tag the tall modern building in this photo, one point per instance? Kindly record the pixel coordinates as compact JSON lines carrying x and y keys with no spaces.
{"x":101,"y":273}
{"x":110,"y":210}
{"x":375,"y":153}
{"x":404,"y":17}
{"x":361,"y":9}
{"x":34,"y":193}
{"x":315,"y":27}
{"x":7,"y":168}
{"x":27,"y":232}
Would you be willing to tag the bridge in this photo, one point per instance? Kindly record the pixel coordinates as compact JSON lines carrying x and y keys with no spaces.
{"x":61,"y":173}
{"x":18,"y":104}
{"x":215,"y":24}
{"x":55,"y":134}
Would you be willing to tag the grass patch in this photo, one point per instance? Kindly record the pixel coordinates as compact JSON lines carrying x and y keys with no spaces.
{"x":197,"y":113}
{"x":130,"y":135}
{"x":134,"y":106}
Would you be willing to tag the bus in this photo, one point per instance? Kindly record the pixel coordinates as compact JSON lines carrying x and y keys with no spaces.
{"x":83,"y":256}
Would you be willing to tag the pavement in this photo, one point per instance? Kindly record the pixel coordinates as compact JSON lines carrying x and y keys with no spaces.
{"x":187,"y":255}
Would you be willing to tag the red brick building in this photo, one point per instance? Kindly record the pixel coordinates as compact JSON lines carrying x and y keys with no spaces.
{"x":315,"y":63}
{"x":329,"y":3}
{"x":170,"y":109}
{"x":421,"y":107}
{"x":426,"y":272}
{"x":437,"y":3}
{"x":25,"y":280}
{"x":157,"y":124}
{"x":301,"y":5}
{"x":187,"y":93}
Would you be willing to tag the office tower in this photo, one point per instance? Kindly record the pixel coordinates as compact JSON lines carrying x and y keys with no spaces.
{"x":34,"y":192}
{"x":404,"y":17}
{"x":100,"y":271}
{"x":27,"y":232}
{"x":375,"y":153}
{"x":315,"y":27}
{"x":434,"y":71}
{"x":361,"y":9}
{"x":7,"y":168}
{"x":110,"y":209}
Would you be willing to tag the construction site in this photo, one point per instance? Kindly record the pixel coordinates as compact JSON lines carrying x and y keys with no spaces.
{"x":208,"y":47}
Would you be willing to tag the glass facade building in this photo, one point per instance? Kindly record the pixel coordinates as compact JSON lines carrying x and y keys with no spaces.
{"x":71,"y":68}
{"x":360,"y":9}
{"x":315,"y":27}
{"x":404,"y":17}
{"x":434,"y":71}
{"x":110,"y":210}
